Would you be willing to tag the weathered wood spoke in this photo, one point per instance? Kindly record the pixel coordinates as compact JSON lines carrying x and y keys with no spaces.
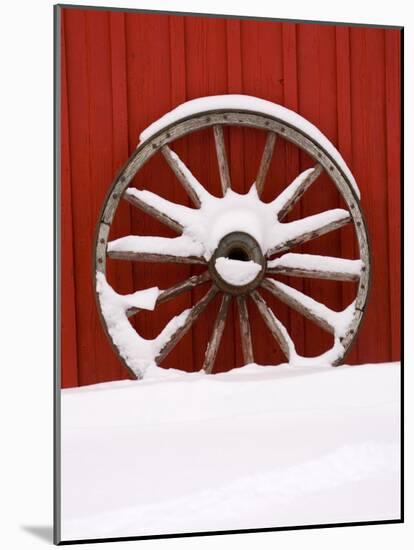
{"x":300,"y":231}
{"x":154,"y":257}
{"x":274,"y":325}
{"x":176,"y":290}
{"x":312,"y":266}
{"x":245,"y":333}
{"x":265,"y":161}
{"x":170,"y":214}
{"x":222,"y":158}
{"x":218,"y":329}
{"x":194,"y":313}
{"x":193,"y":187}
{"x":307,"y":306}
{"x":138,"y":248}
{"x":293,"y":192}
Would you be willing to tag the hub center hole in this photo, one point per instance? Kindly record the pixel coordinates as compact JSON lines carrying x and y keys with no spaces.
{"x":238,"y":254}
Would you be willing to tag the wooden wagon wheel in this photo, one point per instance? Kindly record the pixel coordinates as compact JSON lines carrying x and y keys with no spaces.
{"x":239,"y":257}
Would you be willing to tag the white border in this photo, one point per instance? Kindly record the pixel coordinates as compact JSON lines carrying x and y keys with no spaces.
{"x":26,"y":48}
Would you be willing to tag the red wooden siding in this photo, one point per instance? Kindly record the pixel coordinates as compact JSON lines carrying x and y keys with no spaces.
{"x":121,"y":71}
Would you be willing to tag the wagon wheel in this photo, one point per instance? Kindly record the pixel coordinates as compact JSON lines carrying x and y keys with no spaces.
{"x":240,"y":261}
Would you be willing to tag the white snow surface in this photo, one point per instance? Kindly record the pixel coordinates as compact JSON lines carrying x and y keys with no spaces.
{"x":255,"y":447}
{"x":286,"y":195}
{"x":284,"y":232}
{"x":237,"y":272}
{"x":203,"y":228}
{"x":142,"y":299}
{"x":339,"y":320}
{"x":177,"y":212}
{"x":254,"y":105}
{"x":177,"y":246}
{"x":138,"y":352}
{"x":317,"y":263}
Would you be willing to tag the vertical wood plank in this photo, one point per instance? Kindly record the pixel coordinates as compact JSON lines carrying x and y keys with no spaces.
{"x":178,"y":93}
{"x":262,"y":62}
{"x":101,"y":172}
{"x":177,"y":60}
{"x":318,"y":103}
{"x":69,"y":360}
{"x":119,"y":87}
{"x":90,"y":100}
{"x":292,"y":161}
{"x":156,"y":84}
{"x":236,"y":155}
{"x":206,"y":72}
{"x":148,"y":97}
{"x":393,"y":124}
{"x":79,"y":135}
{"x":343,"y":84}
{"x":120,"y":273}
{"x":235,"y":86}
{"x":369,"y":155}
{"x":261,"y":44}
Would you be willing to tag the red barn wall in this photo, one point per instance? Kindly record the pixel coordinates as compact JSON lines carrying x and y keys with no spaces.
{"x":121,"y":71}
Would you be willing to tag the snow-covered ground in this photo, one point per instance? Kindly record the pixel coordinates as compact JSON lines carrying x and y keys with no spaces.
{"x":255,"y":447}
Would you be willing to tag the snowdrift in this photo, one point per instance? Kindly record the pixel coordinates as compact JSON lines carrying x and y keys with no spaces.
{"x":251,"y":448}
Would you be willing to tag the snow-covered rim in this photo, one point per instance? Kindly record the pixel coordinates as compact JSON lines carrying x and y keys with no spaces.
{"x":343,"y":325}
{"x":254,"y":105}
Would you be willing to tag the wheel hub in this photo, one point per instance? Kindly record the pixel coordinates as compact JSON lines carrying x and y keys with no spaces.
{"x":237,"y":265}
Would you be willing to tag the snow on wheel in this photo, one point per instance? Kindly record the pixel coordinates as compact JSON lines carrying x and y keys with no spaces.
{"x":242,"y":241}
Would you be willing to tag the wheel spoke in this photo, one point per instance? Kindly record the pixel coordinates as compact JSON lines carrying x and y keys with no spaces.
{"x":176,"y":290}
{"x":277,"y":329}
{"x":182,"y":329}
{"x":156,"y":249}
{"x":313,"y":266}
{"x":265,"y":162}
{"x":214,"y":342}
{"x":222,"y":158}
{"x":307,"y":306}
{"x":169,"y":213}
{"x":293,"y":192}
{"x":155,"y":258}
{"x":288,"y":235}
{"x":194,"y":189}
{"x":245,"y":333}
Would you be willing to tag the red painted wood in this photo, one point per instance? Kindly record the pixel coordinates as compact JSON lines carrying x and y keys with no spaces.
{"x":124,"y":70}
{"x":370,"y":168}
{"x":262,"y":66}
{"x":317,"y":103}
{"x":151,"y":62}
{"x":344,"y":122}
{"x":292,"y":164}
{"x":177,"y":60}
{"x":91,"y":142}
{"x":120,"y":274}
{"x":69,"y":358}
{"x":393,"y":124}
{"x":205,"y":41}
{"x":235,"y":153}
{"x":178,"y":92}
{"x":78,"y":97}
